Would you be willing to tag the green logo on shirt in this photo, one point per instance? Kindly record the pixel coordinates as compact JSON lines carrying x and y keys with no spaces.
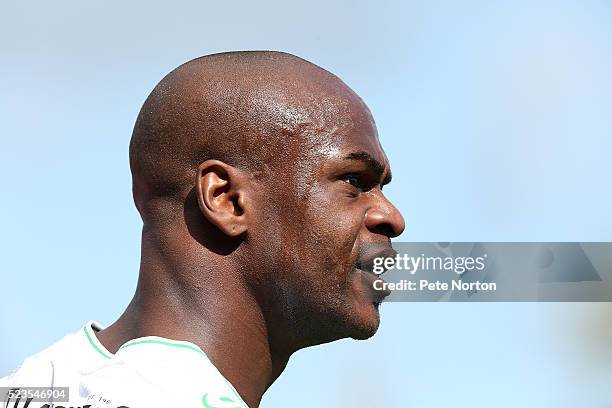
{"x":224,"y":401}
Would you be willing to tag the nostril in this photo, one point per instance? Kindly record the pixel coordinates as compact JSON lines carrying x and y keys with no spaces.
{"x":389,"y":224}
{"x":384,"y":229}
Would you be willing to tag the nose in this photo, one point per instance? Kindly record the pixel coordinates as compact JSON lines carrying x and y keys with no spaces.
{"x":385,"y":219}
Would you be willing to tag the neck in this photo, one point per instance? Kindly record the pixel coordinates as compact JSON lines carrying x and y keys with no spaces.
{"x":197,"y":300}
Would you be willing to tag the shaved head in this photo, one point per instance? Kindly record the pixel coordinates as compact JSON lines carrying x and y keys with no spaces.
{"x":253,"y":110}
{"x":259,"y":177}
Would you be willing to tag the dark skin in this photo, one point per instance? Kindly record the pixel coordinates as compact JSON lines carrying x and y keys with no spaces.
{"x":259,"y":177}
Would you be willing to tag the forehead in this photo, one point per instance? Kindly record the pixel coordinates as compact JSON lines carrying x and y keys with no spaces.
{"x":350,"y":129}
{"x":326,"y":118}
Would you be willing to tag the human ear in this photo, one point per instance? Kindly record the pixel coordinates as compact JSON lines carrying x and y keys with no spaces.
{"x":221,"y":194}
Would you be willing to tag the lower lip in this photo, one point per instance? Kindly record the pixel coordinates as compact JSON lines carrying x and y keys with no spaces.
{"x":370,"y":278}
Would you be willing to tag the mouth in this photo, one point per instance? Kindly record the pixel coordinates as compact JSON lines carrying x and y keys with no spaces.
{"x":368,"y":261}
{"x":374,"y":287}
{"x":370,"y":271}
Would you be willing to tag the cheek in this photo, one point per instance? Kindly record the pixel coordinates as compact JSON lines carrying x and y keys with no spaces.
{"x":332,"y":230}
{"x":318,"y":233}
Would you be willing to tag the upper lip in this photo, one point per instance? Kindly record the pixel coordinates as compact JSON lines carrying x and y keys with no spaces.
{"x":366,"y":261}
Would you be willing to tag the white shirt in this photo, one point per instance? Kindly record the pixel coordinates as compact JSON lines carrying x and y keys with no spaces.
{"x":145,"y":372}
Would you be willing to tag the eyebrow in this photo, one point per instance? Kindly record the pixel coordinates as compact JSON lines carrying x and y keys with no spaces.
{"x":374,"y":165}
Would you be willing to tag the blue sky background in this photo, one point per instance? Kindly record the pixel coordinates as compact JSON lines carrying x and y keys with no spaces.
{"x":497,"y":120}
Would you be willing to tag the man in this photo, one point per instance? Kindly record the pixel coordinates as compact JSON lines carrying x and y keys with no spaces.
{"x":258,"y":177}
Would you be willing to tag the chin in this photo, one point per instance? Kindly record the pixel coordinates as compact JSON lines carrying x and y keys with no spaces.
{"x":360,"y":323}
{"x":368,"y":320}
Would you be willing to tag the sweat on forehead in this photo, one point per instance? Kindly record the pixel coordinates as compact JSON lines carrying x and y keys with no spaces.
{"x":243,"y":108}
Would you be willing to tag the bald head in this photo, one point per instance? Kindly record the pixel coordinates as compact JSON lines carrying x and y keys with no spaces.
{"x":259,"y":179}
{"x":248,"y":109}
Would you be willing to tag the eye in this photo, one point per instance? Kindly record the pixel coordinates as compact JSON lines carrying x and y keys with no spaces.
{"x":360,"y":182}
{"x":352,"y":179}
